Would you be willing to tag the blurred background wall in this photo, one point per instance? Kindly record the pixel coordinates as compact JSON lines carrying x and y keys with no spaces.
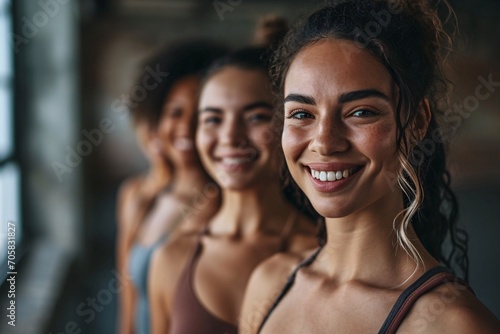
{"x":64,"y":67}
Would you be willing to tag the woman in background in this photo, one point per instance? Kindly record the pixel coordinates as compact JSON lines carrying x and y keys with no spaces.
{"x":151,"y":206}
{"x":362,"y":88}
{"x":198,"y":280}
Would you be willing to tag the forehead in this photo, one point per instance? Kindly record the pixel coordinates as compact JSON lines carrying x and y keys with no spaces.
{"x":236,"y":86}
{"x":333,"y":66}
{"x":185,"y":86}
{"x":184,"y":90}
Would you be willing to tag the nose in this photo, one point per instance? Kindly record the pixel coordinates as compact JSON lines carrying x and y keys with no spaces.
{"x":329,"y":137}
{"x":233,"y":132}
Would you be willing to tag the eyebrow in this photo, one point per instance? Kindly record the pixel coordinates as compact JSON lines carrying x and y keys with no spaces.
{"x":361,"y":94}
{"x":258,"y":104}
{"x":248,"y":107}
{"x":210,"y":109}
{"x":343,"y":98}
{"x":300,"y":99}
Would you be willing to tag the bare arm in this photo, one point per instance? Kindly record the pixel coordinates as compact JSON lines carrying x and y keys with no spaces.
{"x":448,"y":309}
{"x":466,"y":320}
{"x":127,"y":294}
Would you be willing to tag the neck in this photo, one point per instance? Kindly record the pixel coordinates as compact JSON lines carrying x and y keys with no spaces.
{"x":157,"y":177}
{"x":191,"y":178}
{"x":364,"y":246}
{"x":245,"y":212}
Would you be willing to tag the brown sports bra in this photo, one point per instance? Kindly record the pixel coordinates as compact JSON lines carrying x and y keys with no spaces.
{"x":189,"y":316}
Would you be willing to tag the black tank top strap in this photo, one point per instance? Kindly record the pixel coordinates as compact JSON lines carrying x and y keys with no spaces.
{"x":428,"y":281}
{"x":288,"y":285}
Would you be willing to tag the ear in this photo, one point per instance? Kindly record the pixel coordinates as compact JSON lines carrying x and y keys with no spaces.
{"x":423,"y":119}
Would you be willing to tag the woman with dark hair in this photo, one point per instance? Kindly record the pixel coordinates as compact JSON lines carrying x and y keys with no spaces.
{"x":198,"y":280}
{"x":151,"y":206}
{"x":363,"y":95}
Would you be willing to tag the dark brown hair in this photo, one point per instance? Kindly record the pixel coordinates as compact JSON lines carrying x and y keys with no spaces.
{"x":179,"y":60}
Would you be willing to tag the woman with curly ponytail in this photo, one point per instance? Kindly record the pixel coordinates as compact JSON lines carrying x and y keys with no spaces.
{"x":363,"y":93}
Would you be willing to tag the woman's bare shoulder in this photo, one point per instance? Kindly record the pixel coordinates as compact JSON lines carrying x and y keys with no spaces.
{"x":278,"y":267}
{"x":266,"y":283}
{"x":176,"y":249}
{"x":129,"y":186}
{"x":450,"y":308}
{"x":169,"y":260}
{"x":127,"y":195}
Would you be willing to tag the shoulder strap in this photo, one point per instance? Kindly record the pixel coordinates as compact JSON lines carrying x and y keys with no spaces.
{"x":288,"y":285}
{"x":429,"y":280}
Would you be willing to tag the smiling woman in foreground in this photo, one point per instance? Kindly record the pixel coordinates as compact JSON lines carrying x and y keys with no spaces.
{"x":364,"y":95}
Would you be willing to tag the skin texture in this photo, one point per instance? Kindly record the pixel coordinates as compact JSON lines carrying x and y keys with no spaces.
{"x":144,"y":219}
{"x":361,"y":270}
{"x":235,"y":114}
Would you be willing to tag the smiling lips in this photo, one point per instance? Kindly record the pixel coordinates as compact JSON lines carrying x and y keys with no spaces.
{"x":235,"y":162}
{"x":329,"y":176}
{"x":184,"y":144}
{"x":332,"y":177}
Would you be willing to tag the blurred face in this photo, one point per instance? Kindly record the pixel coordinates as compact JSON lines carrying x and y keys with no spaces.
{"x":148,"y":141}
{"x":339,"y":134}
{"x":178,"y":122}
{"x":234,"y":137}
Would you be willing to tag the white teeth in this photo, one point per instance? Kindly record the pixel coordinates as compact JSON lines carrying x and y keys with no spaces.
{"x":184,"y":144}
{"x":330,"y":175}
{"x":235,"y":161}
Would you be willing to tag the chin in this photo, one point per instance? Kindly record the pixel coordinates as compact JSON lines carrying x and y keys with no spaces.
{"x":236,"y":185}
{"x":329,"y":209}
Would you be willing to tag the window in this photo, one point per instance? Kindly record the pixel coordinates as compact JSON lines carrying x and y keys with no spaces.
{"x":9,"y":168}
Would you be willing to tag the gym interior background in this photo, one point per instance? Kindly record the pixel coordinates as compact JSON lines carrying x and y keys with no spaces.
{"x":65,"y":65}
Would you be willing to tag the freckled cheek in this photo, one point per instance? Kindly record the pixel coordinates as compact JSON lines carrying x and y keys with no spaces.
{"x":293,"y":143}
{"x":379,"y":144}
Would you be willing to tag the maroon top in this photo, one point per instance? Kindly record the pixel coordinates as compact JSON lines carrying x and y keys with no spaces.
{"x":189,"y":316}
